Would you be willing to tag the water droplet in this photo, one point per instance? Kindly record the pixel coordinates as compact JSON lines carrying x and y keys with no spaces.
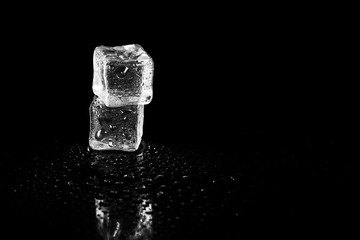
{"x":159,"y":177}
{"x":121,"y":71}
{"x":160,"y":193}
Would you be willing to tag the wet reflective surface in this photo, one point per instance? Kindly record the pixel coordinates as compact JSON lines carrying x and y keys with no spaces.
{"x":170,"y":192}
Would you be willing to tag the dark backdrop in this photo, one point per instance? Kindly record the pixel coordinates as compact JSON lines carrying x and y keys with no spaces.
{"x":223,"y":78}
{"x":217,"y":79}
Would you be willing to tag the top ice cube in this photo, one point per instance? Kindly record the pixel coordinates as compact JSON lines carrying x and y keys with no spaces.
{"x":122,"y":75}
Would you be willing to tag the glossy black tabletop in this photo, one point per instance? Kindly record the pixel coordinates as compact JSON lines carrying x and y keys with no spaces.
{"x":174,"y":192}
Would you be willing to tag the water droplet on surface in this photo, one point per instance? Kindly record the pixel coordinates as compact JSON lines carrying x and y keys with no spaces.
{"x":121,"y":71}
{"x":99,"y":135}
{"x":159,"y":178}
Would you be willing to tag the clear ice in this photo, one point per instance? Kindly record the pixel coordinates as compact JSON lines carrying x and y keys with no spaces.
{"x":122,"y":75}
{"x":115,"y":128}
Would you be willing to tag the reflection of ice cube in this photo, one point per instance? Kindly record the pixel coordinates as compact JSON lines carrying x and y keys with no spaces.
{"x":115,"y":128}
{"x":123,"y":75}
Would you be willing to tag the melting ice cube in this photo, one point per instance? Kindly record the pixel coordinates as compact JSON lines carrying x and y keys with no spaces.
{"x":123,"y":75}
{"x":115,"y":128}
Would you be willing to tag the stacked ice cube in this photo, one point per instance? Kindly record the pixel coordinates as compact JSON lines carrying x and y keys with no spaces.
{"x":122,"y":85}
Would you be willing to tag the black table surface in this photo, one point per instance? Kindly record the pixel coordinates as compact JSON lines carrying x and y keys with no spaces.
{"x":167,"y":191}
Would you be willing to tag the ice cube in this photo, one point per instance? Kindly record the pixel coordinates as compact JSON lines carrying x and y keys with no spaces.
{"x":115,"y":128}
{"x":123,"y":75}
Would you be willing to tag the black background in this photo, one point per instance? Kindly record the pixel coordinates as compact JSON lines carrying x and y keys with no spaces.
{"x":220,"y":74}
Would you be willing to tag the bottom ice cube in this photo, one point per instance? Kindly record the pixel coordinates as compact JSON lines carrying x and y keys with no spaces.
{"x":115,"y":128}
